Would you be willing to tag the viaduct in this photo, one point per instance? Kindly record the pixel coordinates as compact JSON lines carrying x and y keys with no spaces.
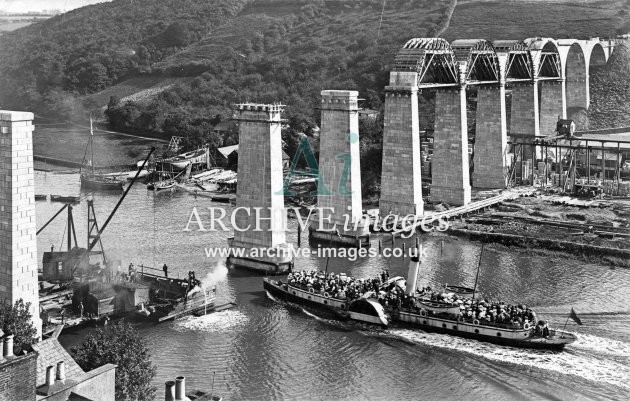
{"x":546,"y":76}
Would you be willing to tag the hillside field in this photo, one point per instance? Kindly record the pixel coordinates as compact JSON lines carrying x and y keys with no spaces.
{"x":522,"y":19}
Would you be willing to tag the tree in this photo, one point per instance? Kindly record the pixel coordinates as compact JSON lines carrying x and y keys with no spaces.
{"x":17,"y":320}
{"x":121,"y":345}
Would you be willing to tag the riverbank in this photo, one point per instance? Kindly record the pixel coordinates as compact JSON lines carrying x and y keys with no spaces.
{"x":588,"y":229}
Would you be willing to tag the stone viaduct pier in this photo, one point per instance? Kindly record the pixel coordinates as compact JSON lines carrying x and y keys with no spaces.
{"x":18,"y":245}
{"x":546,"y":78}
{"x":260,"y":217}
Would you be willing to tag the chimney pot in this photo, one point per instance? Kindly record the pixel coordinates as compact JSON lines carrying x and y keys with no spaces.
{"x":7,"y":351}
{"x":180,"y":388}
{"x":61,"y":370}
{"x":169,"y":394}
{"x":50,"y":375}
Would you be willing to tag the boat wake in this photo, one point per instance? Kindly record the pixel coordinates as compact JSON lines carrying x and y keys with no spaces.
{"x":602,"y":346}
{"x":569,"y":362}
{"x":212,"y":322}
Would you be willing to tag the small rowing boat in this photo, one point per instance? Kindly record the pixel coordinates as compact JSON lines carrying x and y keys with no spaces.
{"x":456,"y":289}
{"x":161,"y":185}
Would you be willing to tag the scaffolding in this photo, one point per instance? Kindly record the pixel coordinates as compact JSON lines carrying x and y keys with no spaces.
{"x":566,"y":162}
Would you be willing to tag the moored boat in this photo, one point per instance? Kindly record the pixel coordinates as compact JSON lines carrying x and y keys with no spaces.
{"x":66,"y":199}
{"x":91,"y":179}
{"x":180,"y":162}
{"x":161,"y":185}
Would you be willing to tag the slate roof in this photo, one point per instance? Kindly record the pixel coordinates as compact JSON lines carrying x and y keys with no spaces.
{"x":50,"y":352}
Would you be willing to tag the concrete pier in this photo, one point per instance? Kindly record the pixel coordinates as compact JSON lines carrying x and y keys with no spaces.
{"x":339,"y":166}
{"x":401,"y":182}
{"x":18,"y":244}
{"x":490,"y":139}
{"x":260,"y":220}
{"x":450,"y":167}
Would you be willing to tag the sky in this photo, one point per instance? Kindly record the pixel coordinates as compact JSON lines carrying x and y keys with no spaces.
{"x":38,"y":5}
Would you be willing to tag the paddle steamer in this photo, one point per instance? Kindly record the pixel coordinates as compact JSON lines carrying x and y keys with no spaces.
{"x":364,"y":309}
{"x":419,"y":311}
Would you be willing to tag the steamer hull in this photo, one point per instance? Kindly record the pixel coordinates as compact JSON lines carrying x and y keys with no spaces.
{"x":521,"y":338}
{"x":362,"y":310}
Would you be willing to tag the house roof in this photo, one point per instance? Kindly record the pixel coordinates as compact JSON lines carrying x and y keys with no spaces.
{"x":50,"y":352}
{"x":226,"y":151}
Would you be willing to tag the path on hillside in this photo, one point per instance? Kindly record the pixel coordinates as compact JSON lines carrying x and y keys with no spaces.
{"x":447,"y":23}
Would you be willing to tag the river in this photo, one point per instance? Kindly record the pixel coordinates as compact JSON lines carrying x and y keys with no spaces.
{"x":263,"y":349}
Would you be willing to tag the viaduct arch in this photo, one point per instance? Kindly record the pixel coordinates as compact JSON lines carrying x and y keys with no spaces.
{"x":546,"y":77}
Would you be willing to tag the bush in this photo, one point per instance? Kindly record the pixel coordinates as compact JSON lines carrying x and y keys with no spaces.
{"x":17,"y":320}
{"x":121,"y":345}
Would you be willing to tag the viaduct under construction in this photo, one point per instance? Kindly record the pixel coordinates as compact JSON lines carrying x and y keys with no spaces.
{"x":546,"y":77}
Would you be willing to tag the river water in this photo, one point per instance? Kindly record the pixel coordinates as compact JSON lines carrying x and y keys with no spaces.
{"x":263,"y":349}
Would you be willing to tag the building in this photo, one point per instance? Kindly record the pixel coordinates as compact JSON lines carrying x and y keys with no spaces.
{"x":48,"y":372}
{"x":368,"y":113}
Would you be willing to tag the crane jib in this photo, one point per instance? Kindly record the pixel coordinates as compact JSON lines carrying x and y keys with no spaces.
{"x":98,"y":236}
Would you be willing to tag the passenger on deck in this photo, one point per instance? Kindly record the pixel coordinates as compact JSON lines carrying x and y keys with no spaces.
{"x":165,"y":269}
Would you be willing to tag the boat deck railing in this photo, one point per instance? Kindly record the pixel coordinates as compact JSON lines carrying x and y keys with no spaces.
{"x":485,"y":323}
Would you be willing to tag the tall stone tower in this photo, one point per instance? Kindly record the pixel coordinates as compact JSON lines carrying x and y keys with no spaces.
{"x":340,"y":169}
{"x":260,"y":217}
{"x":450,"y":168}
{"x":401,"y":179}
{"x":18,"y":244}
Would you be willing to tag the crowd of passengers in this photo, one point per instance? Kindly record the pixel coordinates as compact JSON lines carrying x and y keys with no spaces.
{"x":481,"y":310}
{"x":338,"y":286}
{"x":471,"y":310}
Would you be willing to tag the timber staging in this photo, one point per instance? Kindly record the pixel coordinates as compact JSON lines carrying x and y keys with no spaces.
{"x":465,"y":210}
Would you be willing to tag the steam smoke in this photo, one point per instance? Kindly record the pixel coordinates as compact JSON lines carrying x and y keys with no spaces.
{"x":217,"y":275}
